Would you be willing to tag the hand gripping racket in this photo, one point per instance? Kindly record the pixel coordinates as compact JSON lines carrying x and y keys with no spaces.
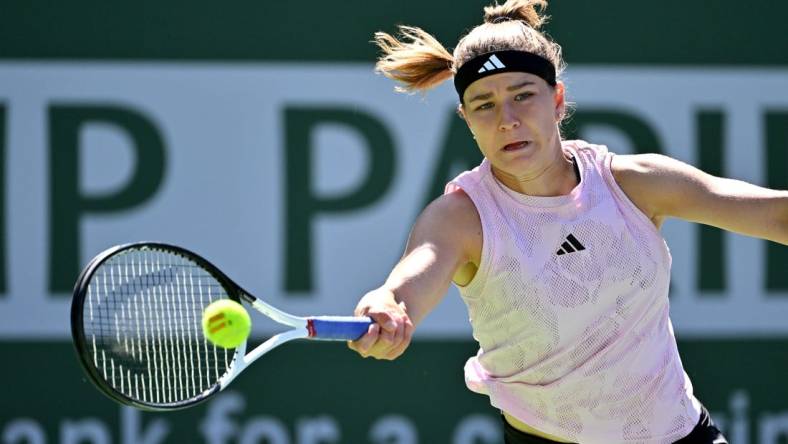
{"x":136,"y":321}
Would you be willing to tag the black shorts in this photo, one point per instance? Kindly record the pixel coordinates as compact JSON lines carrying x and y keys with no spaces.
{"x":703,"y":433}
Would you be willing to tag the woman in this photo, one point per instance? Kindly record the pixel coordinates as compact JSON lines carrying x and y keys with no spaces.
{"x":555,"y":248}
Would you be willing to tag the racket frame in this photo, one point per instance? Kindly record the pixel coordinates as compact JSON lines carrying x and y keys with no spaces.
{"x":80,"y":340}
{"x":318,"y":327}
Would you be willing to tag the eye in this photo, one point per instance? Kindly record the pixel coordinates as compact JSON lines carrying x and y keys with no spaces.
{"x":523,"y":96}
{"x":483,"y":106}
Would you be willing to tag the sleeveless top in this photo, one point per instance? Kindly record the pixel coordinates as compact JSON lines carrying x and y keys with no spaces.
{"x":569,"y":306}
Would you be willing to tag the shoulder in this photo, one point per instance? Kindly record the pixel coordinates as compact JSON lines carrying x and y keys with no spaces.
{"x":656,"y":183}
{"x":634,"y":167}
{"x":454,"y":208}
{"x":644,"y":178}
{"x":450,"y":220}
{"x":648,"y":169}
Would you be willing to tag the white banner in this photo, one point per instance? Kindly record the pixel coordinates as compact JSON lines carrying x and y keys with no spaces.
{"x":223,"y":192}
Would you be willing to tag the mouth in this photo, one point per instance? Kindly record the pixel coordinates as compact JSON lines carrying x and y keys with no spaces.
{"x":516,"y":146}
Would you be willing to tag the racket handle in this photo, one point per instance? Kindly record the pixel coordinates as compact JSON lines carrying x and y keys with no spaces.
{"x":337,"y":328}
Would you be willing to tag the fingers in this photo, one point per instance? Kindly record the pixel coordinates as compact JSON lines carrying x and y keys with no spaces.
{"x":386,"y":320}
{"x":402,"y":336}
{"x":390,"y":333}
{"x":387,"y":338}
{"x":407,"y":332}
{"x":364,"y":344}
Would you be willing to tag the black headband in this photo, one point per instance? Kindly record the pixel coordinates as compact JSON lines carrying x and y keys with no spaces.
{"x":502,"y":61}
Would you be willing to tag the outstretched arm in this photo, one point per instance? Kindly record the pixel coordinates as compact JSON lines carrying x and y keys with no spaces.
{"x":443,"y":238}
{"x":664,"y":187}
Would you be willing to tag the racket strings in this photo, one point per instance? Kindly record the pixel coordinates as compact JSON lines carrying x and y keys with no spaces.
{"x":143,"y":325}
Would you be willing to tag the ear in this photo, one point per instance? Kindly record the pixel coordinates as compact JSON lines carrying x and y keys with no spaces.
{"x":461,"y":112}
{"x":559,"y":98}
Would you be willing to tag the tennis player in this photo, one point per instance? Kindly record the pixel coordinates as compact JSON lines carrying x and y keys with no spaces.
{"x":555,"y":247}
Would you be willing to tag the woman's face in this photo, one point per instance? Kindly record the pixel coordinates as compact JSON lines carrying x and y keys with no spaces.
{"x":514,"y":117}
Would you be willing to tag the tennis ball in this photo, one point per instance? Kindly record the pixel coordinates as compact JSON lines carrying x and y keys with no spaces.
{"x":226,"y":323}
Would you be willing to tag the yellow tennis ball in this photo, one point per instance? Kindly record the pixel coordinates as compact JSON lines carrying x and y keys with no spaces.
{"x":226,"y":323}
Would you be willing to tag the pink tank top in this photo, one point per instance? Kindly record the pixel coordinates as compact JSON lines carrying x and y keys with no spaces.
{"x":570,"y":309}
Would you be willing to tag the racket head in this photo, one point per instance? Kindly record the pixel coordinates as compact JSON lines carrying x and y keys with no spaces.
{"x":136,"y":324}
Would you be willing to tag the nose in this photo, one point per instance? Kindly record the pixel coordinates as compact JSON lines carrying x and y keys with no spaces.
{"x":509,"y":119}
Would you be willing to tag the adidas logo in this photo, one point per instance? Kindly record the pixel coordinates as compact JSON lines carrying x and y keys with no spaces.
{"x":570,"y":245}
{"x":492,"y":64}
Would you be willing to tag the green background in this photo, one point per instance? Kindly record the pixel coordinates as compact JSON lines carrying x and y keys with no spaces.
{"x":425,"y":385}
{"x":669,"y":32}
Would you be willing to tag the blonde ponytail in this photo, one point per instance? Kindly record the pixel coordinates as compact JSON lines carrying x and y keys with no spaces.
{"x":417,"y":60}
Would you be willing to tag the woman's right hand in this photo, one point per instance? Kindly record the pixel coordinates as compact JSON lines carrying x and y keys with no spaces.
{"x":390,"y":333}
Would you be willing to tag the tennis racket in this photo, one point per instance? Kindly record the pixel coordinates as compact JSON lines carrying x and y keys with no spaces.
{"x":136,"y":321}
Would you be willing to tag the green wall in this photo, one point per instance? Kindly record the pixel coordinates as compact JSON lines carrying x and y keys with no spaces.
{"x":721,"y":32}
{"x":735,"y":379}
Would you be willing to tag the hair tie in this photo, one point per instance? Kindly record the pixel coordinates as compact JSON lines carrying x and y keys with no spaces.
{"x":501,"y":19}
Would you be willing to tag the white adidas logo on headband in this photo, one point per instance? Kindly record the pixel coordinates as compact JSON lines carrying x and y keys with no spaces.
{"x":492,"y":64}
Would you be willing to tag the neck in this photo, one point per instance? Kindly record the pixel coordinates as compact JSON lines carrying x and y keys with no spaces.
{"x":556,"y":178}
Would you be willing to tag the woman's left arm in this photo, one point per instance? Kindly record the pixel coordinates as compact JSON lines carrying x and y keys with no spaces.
{"x":664,"y":187}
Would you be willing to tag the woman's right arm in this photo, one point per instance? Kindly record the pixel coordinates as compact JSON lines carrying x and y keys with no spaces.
{"x":445,"y":236}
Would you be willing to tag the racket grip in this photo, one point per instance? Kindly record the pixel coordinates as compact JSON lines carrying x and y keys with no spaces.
{"x":338,"y":328}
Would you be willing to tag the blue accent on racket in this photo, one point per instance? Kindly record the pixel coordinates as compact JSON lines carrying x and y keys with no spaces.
{"x":337,"y":328}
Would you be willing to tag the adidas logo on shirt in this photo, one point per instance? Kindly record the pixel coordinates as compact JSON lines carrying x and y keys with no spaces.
{"x":492,"y":64}
{"x":570,"y":245}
